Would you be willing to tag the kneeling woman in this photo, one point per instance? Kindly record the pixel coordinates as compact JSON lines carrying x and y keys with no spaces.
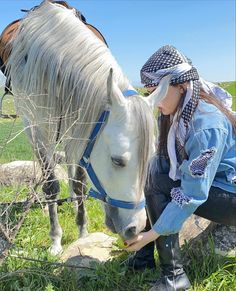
{"x":194,"y":170}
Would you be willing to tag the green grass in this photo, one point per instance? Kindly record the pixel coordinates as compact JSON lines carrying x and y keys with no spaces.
{"x":14,"y":144}
{"x":207,"y":271}
{"x":231,"y":88}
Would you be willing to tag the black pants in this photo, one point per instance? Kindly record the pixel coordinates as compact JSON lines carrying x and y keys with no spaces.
{"x":220,"y":206}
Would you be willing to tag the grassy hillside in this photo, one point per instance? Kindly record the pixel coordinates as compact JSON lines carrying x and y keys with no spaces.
{"x":231,"y":88}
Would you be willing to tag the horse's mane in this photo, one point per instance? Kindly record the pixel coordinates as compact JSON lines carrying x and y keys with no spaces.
{"x":73,"y":65}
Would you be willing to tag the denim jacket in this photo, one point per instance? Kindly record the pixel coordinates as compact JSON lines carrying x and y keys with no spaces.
{"x":211,"y":150}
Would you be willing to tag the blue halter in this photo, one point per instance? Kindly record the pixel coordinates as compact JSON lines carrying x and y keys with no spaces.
{"x":84,"y":162}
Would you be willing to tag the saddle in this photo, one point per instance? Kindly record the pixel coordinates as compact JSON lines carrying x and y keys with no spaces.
{"x":10,"y":32}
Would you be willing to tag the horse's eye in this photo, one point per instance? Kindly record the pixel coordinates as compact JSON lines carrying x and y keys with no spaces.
{"x":118,"y":161}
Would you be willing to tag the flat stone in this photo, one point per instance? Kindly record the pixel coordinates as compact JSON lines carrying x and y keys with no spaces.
{"x":193,"y":227}
{"x":26,"y":172}
{"x":96,"y":247}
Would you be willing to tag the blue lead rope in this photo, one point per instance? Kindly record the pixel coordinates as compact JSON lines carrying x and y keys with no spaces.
{"x":85,"y":163}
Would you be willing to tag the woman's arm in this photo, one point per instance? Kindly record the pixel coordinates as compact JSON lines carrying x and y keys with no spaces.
{"x":204,"y":149}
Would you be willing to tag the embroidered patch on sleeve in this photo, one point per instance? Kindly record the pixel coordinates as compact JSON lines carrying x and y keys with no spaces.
{"x":179,"y":197}
{"x":198,"y":165}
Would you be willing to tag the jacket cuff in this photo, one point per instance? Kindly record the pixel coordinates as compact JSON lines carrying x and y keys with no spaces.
{"x":172,"y":218}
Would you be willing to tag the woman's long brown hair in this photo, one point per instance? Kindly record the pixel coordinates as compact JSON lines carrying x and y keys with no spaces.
{"x":165,"y":121}
{"x":215,"y":101}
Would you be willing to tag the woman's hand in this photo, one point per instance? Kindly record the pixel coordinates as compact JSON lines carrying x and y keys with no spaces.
{"x":140,"y":240}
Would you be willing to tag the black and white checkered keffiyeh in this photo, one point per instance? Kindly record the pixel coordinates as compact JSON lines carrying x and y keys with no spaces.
{"x":168,"y":60}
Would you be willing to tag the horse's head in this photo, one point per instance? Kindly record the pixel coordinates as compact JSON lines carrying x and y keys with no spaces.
{"x":120,"y":156}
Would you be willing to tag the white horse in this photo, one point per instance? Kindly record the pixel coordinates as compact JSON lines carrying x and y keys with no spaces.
{"x":61,"y":82}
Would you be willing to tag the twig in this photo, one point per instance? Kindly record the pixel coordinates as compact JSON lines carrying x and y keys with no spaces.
{"x":14,"y":233}
{"x":58,"y":201}
{"x":51,"y":263}
{"x":2,"y":230}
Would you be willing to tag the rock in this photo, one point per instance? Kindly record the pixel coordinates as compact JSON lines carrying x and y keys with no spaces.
{"x":198,"y":230}
{"x":96,"y":247}
{"x":25,"y":172}
{"x":225,"y":240}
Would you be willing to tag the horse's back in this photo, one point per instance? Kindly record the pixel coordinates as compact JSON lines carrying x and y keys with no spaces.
{"x":8,"y":33}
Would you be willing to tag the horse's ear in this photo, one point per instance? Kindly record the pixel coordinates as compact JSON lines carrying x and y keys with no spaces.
{"x":114,"y":94}
{"x":156,"y":96}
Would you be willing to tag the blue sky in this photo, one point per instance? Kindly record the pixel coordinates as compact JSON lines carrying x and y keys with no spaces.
{"x":204,"y":30}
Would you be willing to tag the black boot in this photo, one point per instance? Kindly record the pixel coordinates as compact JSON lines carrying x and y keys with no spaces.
{"x":173,"y":277}
{"x":144,"y":258}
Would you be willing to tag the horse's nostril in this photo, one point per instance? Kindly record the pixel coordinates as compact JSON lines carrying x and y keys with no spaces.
{"x":130,"y":232}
